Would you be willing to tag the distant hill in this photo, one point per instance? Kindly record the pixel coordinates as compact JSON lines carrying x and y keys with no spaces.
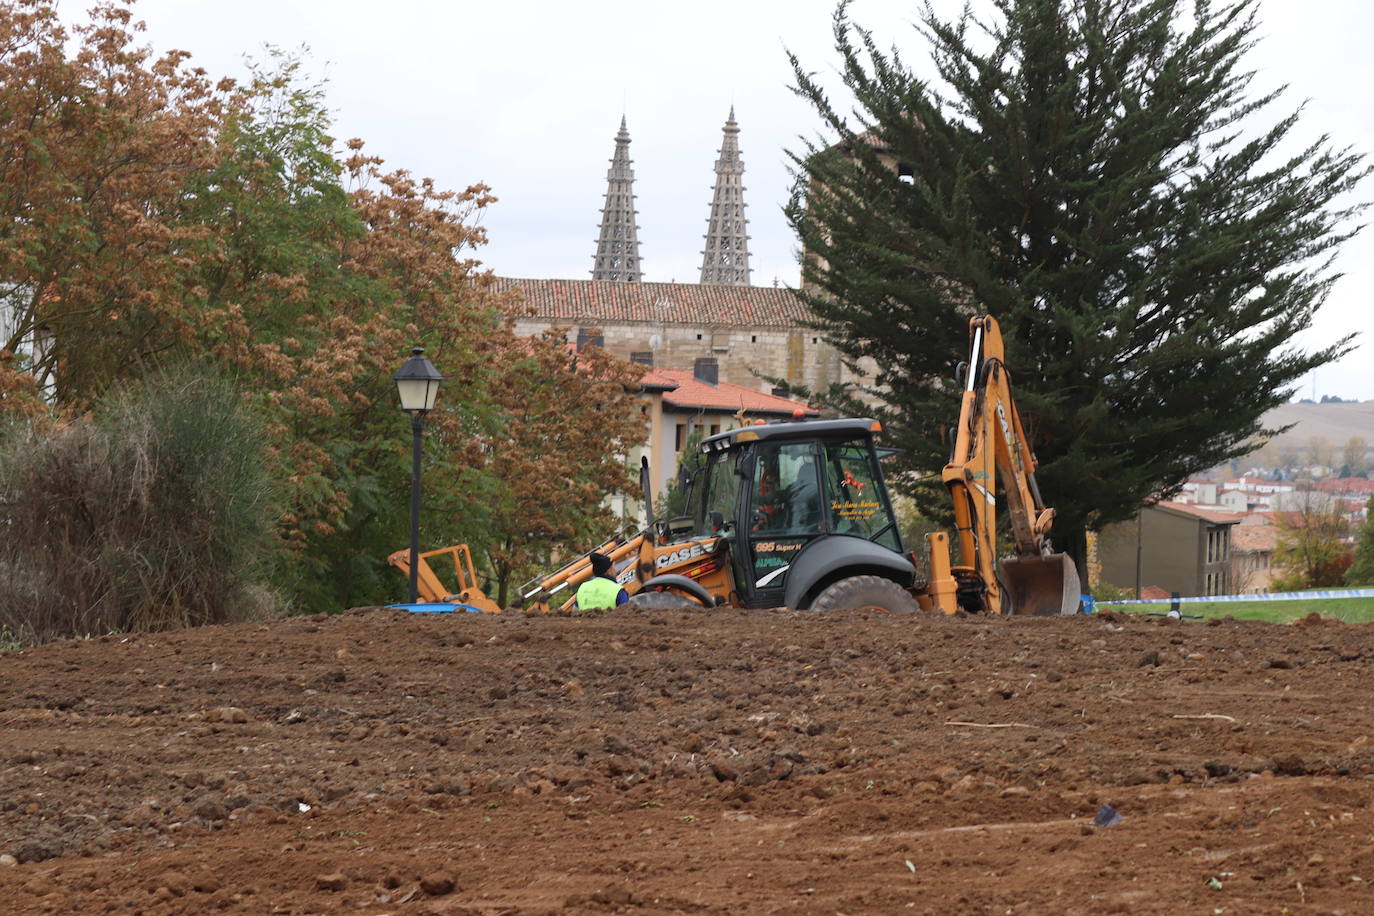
{"x":1336,"y":423}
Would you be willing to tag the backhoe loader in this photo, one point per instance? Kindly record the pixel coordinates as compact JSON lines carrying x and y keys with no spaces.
{"x":792,"y":514}
{"x":797,"y":514}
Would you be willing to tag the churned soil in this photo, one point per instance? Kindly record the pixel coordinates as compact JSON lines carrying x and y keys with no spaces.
{"x":721,"y":761}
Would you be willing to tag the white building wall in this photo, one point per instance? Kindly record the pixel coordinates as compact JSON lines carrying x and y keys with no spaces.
{"x":1234,"y":500}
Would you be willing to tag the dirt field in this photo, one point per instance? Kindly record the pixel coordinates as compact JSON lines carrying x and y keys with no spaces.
{"x":692,"y":762}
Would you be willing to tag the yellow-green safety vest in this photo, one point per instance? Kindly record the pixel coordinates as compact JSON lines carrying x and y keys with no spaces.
{"x":597,"y":593}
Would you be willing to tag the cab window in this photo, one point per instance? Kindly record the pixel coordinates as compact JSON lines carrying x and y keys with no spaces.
{"x":858,"y":504}
{"x":722,"y":489}
{"x":786,"y":495}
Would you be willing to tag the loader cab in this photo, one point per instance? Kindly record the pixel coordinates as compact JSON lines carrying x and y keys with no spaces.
{"x":801,"y":503}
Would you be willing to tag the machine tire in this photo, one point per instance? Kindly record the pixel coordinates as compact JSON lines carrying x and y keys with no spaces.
{"x":665,"y":600}
{"x":865,"y":593}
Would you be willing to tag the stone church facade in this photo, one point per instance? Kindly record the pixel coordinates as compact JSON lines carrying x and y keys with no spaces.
{"x":752,"y":333}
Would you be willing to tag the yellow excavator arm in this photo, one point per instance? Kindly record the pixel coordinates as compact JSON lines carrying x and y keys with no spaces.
{"x":557,"y":589}
{"x":432,"y":588}
{"x":990,"y":445}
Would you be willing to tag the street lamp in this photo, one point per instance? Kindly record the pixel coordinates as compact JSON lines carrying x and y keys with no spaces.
{"x":417,"y":383}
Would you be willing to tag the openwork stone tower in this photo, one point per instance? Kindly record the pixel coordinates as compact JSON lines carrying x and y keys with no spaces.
{"x":726,"y":258}
{"x":617,"y":249}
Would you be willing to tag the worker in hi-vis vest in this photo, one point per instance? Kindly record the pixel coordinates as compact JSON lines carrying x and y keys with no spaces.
{"x":600,"y":591}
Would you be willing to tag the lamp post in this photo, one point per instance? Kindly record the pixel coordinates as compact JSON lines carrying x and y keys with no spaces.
{"x":417,"y":383}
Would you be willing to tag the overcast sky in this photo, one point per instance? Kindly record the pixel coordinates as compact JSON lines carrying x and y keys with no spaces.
{"x":527,"y":95}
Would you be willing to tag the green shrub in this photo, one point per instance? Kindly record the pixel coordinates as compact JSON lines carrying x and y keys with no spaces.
{"x":1105,"y":591}
{"x":155,"y":513}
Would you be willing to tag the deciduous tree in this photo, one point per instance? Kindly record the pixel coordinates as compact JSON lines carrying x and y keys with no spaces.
{"x":1311,"y":548}
{"x":568,"y":423}
{"x":1320,"y":452}
{"x":95,"y":148}
{"x":325,"y":271}
{"x":1353,"y":461}
{"x":151,"y":216}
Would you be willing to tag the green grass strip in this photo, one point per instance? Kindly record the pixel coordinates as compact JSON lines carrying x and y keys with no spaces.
{"x":1348,"y":610}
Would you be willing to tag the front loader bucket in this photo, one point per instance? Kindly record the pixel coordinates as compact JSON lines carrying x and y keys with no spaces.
{"x":1042,"y":585}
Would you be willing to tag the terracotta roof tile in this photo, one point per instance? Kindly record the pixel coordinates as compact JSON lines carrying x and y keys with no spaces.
{"x":678,"y":303}
{"x":656,"y":381}
{"x":690,"y":393}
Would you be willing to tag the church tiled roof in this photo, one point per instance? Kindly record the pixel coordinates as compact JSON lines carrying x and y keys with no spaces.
{"x":677,"y":303}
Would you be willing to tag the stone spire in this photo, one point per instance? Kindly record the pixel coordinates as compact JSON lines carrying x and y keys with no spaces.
{"x":617,"y":249}
{"x":726,"y":258}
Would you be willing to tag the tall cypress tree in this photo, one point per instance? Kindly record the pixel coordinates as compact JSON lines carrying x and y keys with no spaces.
{"x":1094,"y":175}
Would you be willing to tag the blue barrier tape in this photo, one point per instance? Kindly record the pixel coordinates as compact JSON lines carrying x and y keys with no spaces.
{"x":1325,"y":594}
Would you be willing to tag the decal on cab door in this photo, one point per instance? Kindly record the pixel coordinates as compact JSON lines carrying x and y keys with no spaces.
{"x":680,"y":556}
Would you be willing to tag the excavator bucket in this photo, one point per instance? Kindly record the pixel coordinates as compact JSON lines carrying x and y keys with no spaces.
{"x":1043,"y":585}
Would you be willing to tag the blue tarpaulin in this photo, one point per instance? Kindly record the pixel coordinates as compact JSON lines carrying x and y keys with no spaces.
{"x":436,"y":607}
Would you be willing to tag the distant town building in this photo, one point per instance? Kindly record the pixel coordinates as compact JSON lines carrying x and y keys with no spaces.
{"x":1349,"y":495}
{"x":1239,"y":494}
{"x":754,"y":334}
{"x":1346,"y":495}
{"x":1253,"y":542}
{"x":1177,"y":547}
